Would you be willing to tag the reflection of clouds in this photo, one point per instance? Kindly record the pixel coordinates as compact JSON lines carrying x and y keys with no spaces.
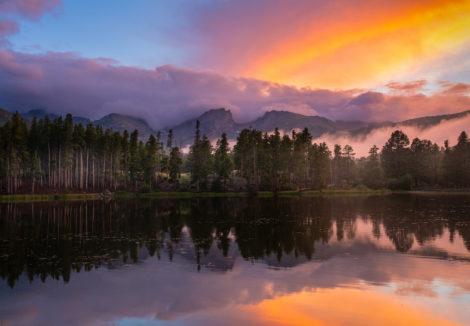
{"x":416,"y":288}
{"x":337,"y":306}
{"x":169,"y":291}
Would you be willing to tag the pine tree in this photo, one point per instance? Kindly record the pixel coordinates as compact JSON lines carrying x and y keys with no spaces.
{"x":372,"y":174}
{"x":396,"y":155}
{"x":133,"y":157}
{"x":175,"y":163}
{"x":319,"y":157}
{"x":151,"y":160}
{"x":223,"y":164}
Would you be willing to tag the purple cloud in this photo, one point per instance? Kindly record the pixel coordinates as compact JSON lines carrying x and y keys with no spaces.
{"x":167,"y":95}
{"x":31,"y":9}
{"x":7,"y":27}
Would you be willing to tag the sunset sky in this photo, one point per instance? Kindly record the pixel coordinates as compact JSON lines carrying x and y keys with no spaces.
{"x":369,"y":59}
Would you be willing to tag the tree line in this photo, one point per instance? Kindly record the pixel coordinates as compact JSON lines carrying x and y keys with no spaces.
{"x":58,"y":155}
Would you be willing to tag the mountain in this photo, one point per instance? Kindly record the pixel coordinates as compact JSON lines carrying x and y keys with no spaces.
{"x":118,"y":122}
{"x":288,"y":121}
{"x":426,"y":122}
{"x":421,"y":123}
{"x":40,"y":114}
{"x":215,"y":122}
{"x":212,"y":124}
{"x":114,"y":121}
{"x":4,"y":116}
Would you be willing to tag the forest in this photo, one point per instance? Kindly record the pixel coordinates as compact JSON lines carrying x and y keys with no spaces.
{"x":58,"y":156}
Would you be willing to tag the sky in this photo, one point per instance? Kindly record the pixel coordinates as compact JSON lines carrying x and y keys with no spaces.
{"x":170,"y":60}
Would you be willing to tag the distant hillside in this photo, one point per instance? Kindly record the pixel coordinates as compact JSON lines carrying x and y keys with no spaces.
{"x":40,"y":114}
{"x":288,"y":121}
{"x":118,"y":122}
{"x":422,"y":123}
{"x":4,"y":116}
{"x":114,"y":121}
{"x":215,"y":122}
{"x":212,"y":124}
{"x":426,"y":122}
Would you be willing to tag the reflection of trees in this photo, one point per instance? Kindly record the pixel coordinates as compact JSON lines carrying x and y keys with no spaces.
{"x":405,"y":217}
{"x":54,"y":239}
{"x":276,"y":227}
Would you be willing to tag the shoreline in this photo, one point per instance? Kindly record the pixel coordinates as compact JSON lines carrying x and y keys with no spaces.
{"x":123,"y":195}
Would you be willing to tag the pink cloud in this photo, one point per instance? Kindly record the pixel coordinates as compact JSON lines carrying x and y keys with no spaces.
{"x":456,"y":89}
{"x":12,"y":68}
{"x":31,"y":9}
{"x":167,"y":95}
{"x":8,"y":27}
{"x":407,"y":88}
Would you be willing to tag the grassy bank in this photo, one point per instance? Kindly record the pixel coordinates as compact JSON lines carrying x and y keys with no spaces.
{"x":175,"y":194}
{"x":123,"y":195}
{"x":463,"y":191}
{"x":34,"y":198}
{"x":262,"y":194}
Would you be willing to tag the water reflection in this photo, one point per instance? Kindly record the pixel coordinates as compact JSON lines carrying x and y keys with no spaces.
{"x":181,"y":259}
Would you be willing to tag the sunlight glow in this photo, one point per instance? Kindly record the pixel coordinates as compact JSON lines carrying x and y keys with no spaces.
{"x":368,"y":49}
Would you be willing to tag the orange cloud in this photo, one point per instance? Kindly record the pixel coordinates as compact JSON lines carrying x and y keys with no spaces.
{"x":341,"y":44}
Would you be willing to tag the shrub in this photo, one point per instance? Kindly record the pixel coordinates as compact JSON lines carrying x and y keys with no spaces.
{"x":145,"y":189}
{"x":362,"y":187}
{"x":403,"y":183}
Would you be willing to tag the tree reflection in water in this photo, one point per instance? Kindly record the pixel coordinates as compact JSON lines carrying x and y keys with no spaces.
{"x":55,"y":238}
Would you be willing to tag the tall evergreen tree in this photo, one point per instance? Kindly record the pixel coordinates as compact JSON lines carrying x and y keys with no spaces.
{"x":372,"y":174}
{"x":396,"y":155}
{"x":175,"y":163}
{"x":223,"y":164}
{"x":134,"y":157}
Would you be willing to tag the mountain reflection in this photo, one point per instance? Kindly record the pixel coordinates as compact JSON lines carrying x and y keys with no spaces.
{"x":44,"y":240}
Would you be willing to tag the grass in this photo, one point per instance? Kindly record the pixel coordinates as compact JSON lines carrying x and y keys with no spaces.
{"x":190,"y":194}
{"x":35,"y":198}
{"x":436,"y":191}
{"x":262,"y":194}
{"x":123,"y":195}
{"x":332,"y":192}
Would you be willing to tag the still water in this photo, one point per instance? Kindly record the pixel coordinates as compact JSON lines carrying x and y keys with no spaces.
{"x":379,"y":260}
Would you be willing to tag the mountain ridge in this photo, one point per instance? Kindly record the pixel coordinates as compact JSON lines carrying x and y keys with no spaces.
{"x":217,"y":121}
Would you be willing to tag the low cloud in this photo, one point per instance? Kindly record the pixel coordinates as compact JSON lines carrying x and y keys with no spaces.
{"x":66,"y":82}
{"x":446,"y":130}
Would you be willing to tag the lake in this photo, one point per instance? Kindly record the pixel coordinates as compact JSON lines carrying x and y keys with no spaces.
{"x":398,"y":259}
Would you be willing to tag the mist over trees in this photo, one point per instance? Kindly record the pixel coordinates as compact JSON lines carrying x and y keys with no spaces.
{"x":60,"y":156}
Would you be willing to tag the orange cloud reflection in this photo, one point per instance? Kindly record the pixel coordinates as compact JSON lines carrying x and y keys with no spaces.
{"x":343,"y":306}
